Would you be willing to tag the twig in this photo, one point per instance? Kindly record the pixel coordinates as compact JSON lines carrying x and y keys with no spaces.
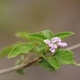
{"x":8,"y":70}
{"x":74,"y":47}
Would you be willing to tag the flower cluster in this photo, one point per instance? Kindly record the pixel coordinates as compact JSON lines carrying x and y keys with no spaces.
{"x":54,"y":43}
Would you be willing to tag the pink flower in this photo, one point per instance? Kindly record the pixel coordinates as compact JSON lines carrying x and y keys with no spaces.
{"x":52,"y":50}
{"x":55,"y":39}
{"x":47,"y":41}
{"x":62,"y":44}
{"x":54,"y":43}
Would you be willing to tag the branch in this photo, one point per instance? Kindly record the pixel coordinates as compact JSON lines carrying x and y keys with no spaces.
{"x":8,"y":70}
{"x":73,"y":47}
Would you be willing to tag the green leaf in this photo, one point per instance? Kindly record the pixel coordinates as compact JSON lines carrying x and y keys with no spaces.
{"x":65,"y":56}
{"x":44,"y":55}
{"x":26,"y":34}
{"x":48,"y":34}
{"x":31,"y":36}
{"x":19,"y":49}
{"x":44,"y":64}
{"x":20,"y":71}
{"x":5,"y":51}
{"x":63,"y":35}
{"x":19,"y":62}
{"x":39,"y":35}
{"x":41,"y":48}
{"x":22,"y":35}
{"x":53,"y":61}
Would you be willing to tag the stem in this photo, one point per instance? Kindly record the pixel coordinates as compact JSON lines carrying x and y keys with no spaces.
{"x":8,"y":70}
{"x":73,"y":47}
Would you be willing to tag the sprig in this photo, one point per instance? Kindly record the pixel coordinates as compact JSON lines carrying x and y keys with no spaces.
{"x":42,"y":45}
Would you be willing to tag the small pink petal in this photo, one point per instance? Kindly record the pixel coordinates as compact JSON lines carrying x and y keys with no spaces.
{"x":47,"y":41}
{"x":55,"y":39}
{"x":52,"y":50}
{"x":53,"y":45}
{"x":62,"y":44}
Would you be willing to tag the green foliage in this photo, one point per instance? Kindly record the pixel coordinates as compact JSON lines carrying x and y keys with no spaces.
{"x":63,"y":35}
{"x":48,"y":34}
{"x":39,"y":35}
{"x":5,"y":51}
{"x":49,"y":61}
{"x":18,"y":62}
{"x":41,"y":48}
{"x":54,"y":62}
{"x":31,"y":36}
{"x":45,"y":64}
{"x":20,"y":49}
{"x":65,"y":56}
{"x":22,"y":35}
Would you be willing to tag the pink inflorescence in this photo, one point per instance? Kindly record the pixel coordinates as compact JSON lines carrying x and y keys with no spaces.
{"x":54,"y":43}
